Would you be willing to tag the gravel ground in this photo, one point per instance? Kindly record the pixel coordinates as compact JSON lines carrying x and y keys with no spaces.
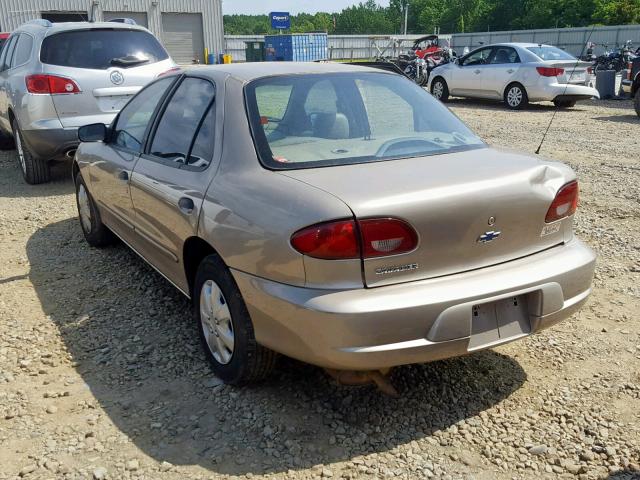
{"x":102,"y":377}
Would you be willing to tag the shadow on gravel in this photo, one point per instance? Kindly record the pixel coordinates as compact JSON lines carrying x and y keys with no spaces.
{"x":136,"y":348}
{"x":624,"y":475}
{"x":633,"y":119}
{"x":481,"y":104}
{"x":13,"y":185}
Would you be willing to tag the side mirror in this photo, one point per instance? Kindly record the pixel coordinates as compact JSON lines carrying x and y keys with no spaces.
{"x":96,"y":132}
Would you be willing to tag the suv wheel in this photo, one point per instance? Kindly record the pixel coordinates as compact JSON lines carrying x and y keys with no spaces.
{"x":225,"y":326}
{"x":33,"y":170}
{"x":636,"y":101}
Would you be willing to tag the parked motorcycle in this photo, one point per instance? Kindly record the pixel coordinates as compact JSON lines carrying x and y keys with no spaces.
{"x":617,"y":59}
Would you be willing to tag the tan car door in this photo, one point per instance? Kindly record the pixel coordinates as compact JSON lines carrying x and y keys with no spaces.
{"x":110,"y":177}
{"x":170,"y":179}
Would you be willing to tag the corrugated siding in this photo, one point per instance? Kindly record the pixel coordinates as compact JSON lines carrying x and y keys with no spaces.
{"x":13,"y":13}
{"x":571,"y":39}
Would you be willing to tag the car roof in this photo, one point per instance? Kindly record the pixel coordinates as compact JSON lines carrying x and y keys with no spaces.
{"x":58,"y":27}
{"x":251,"y":71}
{"x":518,"y":44}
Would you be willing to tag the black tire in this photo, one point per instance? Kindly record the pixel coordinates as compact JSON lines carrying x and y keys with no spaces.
{"x":636,"y":102}
{"x":564,"y":103}
{"x":34,"y":170}
{"x":510,"y":97}
{"x":444,"y":96}
{"x":97,"y":234}
{"x":249,"y":362}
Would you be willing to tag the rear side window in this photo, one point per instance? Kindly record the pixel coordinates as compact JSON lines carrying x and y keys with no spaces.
{"x":7,"y":53}
{"x":23,"y":50}
{"x":100,"y":49}
{"x":181,"y":120}
{"x":550,"y":53}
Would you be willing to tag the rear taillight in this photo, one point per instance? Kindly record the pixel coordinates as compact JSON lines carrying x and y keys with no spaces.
{"x":343,"y":239}
{"x":550,"y":71}
{"x":169,"y":72}
{"x":386,"y":236}
{"x":51,"y":84}
{"x":565,"y":203}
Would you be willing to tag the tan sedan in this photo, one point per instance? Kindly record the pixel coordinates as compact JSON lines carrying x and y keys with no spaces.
{"x":335,"y":214}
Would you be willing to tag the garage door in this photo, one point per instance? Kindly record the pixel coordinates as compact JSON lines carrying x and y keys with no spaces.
{"x":182,"y":36}
{"x":139,"y":17}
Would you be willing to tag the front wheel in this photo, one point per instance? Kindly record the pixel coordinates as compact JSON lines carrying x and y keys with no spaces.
{"x":440,"y":90}
{"x":225,"y":326}
{"x":515,"y":96}
{"x":33,"y":169}
{"x":95,"y":232}
{"x":564,"y":103}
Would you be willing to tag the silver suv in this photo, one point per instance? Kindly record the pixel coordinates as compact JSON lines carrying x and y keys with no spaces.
{"x":56,"y":77}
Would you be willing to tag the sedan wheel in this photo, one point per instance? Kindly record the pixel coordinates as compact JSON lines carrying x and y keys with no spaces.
{"x":516,"y":97}
{"x":225,"y":326}
{"x":217,"y":324}
{"x":84,"y":208}
{"x":95,"y":232}
{"x":440,"y":90}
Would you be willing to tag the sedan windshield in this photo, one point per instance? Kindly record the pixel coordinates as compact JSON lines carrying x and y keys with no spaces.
{"x":550,"y":53}
{"x":302,"y":121}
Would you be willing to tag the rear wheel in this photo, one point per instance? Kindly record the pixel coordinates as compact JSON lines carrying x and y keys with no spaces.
{"x":636,"y":102}
{"x":515,"y":96}
{"x":225,"y":326}
{"x":439,"y":89}
{"x":564,"y":103}
{"x":33,"y":169}
{"x":96,"y":233}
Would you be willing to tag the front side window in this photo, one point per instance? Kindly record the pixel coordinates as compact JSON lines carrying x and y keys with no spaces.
{"x":101,"y":49}
{"x":134,"y":118}
{"x":479,"y":57}
{"x":181,"y":119}
{"x":303,"y":121}
{"x":550,"y":53}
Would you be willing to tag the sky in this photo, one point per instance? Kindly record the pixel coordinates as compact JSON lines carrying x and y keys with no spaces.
{"x":291,"y":6}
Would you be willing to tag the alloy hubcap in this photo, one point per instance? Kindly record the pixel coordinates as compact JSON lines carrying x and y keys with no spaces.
{"x":20,"y":151}
{"x":84,"y":210}
{"x":438,"y":88}
{"x":217,"y":325}
{"x":514,"y":97}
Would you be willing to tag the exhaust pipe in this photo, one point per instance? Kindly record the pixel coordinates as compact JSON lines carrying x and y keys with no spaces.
{"x":70,"y":153}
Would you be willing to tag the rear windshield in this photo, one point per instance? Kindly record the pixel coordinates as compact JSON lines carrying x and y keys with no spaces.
{"x":551,"y":53}
{"x":102,"y":48}
{"x":302,"y":121}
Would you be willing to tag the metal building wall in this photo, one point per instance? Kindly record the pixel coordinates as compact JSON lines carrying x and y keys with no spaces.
{"x":13,"y":13}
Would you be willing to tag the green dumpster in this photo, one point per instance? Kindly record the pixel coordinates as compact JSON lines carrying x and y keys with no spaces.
{"x":254,"y":51}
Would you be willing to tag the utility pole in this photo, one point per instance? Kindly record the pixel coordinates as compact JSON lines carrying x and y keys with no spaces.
{"x":406,"y":15}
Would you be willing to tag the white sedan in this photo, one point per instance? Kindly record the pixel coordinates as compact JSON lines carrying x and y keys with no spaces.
{"x":517,"y":73}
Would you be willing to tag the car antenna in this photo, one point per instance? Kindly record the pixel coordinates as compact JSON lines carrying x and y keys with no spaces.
{"x":544,"y":136}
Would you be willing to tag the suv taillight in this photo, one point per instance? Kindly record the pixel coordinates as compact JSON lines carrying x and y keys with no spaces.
{"x":51,"y":84}
{"x":550,"y":71}
{"x":343,"y":239}
{"x":565,"y":203}
{"x":169,"y":72}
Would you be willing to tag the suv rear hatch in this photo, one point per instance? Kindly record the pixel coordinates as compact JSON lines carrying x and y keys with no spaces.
{"x":456,"y":203}
{"x":108,"y":65}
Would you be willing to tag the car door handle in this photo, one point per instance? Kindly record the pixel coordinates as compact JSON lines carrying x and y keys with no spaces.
{"x":123,"y":175}
{"x":186,"y":205}
{"x":476,"y":71}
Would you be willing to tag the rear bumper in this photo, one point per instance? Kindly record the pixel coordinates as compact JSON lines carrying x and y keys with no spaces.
{"x":418,"y":321}
{"x":558,"y":91}
{"x":51,"y":143}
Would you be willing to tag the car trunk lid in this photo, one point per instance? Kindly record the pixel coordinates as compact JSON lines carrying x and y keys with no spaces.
{"x":574,"y":72}
{"x":470,"y":209}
